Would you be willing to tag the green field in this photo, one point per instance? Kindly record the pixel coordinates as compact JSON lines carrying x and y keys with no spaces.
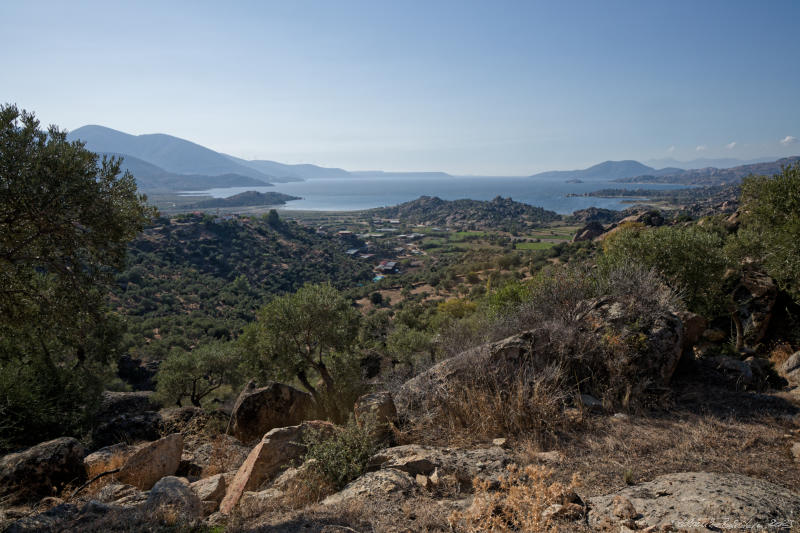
{"x":534,"y":245}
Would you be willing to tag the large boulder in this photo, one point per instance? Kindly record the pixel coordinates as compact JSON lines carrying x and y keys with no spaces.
{"x":152,"y":461}
{"x":390,"y":483}
{"x":697,"y":501}
{"x":107,"y":459}
{"x":210,"y":491}
{"x":114,"y":404}
{"x":276,"y":450}
{"x":172,"y":496}
{"x":260,"y":409}
{"x":121,"y":495}
{"x":42,"y":470}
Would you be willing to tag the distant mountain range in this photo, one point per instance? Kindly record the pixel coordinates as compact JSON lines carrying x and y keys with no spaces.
{"x":162,"y":162}
{"x":711,"y":176}
{"x":609,"y":170}
{"x":706,"y":162}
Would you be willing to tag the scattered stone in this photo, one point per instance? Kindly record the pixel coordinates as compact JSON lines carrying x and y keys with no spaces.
{"x":499,"y":442}
{"x":694,"y":500}
{"x":258,"y":410}
{"x":796,"y":452}
{"x":568,"y":511}
{"x":42,"y":470}
{"x":152,"y":461}
{"x":172,"y":495}
{"x":254,"y":502}
{"x":277,"y":449}
{"x":423,"y":481}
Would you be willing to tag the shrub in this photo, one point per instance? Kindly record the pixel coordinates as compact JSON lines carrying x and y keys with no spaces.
{"x":342,"y":457}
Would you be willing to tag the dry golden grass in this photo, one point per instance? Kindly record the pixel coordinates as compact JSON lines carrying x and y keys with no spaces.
{"x":519,"y":504}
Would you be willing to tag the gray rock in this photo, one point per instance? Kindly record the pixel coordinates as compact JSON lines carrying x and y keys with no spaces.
{"x":691,"y":501}
{"x":173,"y":495}
{"x":380,"y":484}
{"x":791,"y":369}
{"x":41,"y":470}
{"x":258,"y":410}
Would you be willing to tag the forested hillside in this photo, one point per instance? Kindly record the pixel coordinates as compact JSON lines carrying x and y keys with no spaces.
{"x":197,"y":277}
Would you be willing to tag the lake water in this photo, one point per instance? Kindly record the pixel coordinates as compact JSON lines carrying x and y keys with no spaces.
{"x":356,"y":193}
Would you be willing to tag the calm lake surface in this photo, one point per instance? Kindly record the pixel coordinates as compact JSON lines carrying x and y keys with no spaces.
{"x":356,"y":193}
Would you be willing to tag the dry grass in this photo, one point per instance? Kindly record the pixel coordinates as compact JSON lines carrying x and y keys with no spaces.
{"x":519,"y":504}
{"x":612,"y":452}
{"x":486,"y":408}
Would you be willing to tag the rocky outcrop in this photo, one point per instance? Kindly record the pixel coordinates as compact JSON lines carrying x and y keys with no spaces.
{"x":379,"y":409}
{"x":276,"y":450}
{"x":152,"y":461}
{"x":597,"y":323}
{"x":589,"y":232}
{"x":258,"y":410}
{"x":41,"y":470}
{"x":172,"y":496}
{"x":464,"y":464}
{"x":139,"y":375}
{"x":755,"y":297}
{"x":697,"y":501}
{"x":380,"y":484}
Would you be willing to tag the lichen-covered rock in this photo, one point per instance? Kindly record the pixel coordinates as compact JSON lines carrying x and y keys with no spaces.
{"x":276,"y":450}
{"x":258,"y":410}
{"x":128,"y":427}
{"x":41,"y":470}
{"x":693,"y":501}
{"x":172,"y":495}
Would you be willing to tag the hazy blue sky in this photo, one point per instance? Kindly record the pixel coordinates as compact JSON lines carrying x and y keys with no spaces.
{"x":494,"y":87}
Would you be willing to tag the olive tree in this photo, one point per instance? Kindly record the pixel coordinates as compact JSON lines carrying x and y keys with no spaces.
{"x":66,"y":218}
{"x":300,"y":334}
{"x":196,"y":374}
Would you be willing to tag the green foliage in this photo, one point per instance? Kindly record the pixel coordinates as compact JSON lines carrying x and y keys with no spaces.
{"x":342,"y":457}
{"x":691,"y":259}
{"x":196,"y":374}
{"x":770,"y":231}
{"x":300,"y":333}
{"x":65,"y":222}
{"x":406,"y":343}
{"x":195,"y":281}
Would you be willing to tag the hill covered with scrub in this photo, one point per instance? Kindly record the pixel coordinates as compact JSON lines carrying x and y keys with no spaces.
{"x":645,"y":377}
